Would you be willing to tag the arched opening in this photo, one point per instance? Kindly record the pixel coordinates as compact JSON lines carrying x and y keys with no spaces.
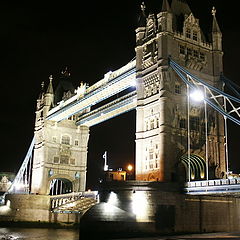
{"x":197,"y":168}
{"x":60,"y":186}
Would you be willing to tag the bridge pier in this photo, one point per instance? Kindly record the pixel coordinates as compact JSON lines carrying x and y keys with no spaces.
{"x":60,"y":153}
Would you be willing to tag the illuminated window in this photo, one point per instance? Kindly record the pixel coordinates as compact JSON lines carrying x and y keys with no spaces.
{"x":182,"y":49}
{"x":188,"y":33}
{"x":151,"y":154}
{"x":65,"y":140}
{"x":189,"y":51}
{"x":202,"y":56}
{"x":146,"y":125}
{"x":151,"y":165}
{"x":152,"y":124}
{"x":194,"y":123}
{"x":72,"y":161}
{"x":56,"y":160}
{"x":177,"y":88}
{"x":195,"y":36}
{"x":195,"y":53}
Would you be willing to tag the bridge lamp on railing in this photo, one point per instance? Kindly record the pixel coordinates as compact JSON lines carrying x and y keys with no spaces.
{"x":198,"y":95}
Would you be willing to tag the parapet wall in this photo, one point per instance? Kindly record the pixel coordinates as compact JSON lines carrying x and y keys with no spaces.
{"x":157,"y":208}
{"x":35,"y":209}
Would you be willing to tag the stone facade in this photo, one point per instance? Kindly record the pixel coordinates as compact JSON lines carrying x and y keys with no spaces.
{"x":35,"y":209}
{"x":161,"y":118}
{"x":60,"y":150}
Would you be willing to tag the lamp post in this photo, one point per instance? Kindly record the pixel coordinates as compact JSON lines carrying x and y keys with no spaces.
{"x":226,"y":138}
{"x":206,"y":133}
{"x":129,"y":168}
{"x":188,"y":133}
{"x":198,"y":96}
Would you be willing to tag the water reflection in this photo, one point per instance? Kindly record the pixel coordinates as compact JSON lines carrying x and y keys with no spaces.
{"x":38,"y":233}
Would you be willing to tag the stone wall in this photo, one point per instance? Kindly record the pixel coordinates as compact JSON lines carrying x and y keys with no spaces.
{"x":33,"y":208}
{"x":156,"y":208}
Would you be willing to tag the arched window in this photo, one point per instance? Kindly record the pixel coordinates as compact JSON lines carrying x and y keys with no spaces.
{"x":66,"y":140}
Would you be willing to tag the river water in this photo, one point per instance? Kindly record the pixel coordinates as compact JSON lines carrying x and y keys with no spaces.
{"x":38,"y":234}
{"x":73,"y":234}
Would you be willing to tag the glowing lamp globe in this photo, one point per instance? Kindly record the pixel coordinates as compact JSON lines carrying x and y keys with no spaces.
{"x":197,"y":95}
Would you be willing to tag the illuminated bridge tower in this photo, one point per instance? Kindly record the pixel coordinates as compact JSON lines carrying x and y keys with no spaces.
{"x":162,"y":115}
{"x":60,"y":152}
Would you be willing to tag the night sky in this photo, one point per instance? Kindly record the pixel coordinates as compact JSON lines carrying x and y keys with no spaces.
{"x":90,"y":38}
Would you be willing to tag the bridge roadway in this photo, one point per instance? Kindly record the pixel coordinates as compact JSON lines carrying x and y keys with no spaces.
{"x":112,"y":84}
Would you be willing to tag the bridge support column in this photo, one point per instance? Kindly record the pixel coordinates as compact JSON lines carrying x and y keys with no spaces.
{"x":60,"y":153}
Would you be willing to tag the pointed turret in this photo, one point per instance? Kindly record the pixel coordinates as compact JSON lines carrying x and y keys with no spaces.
{"x":215,"y":27}
{"x":50,"y":87}
{"x":48,"y":97}
{"x":216,"y":33}
{"x":142,"y":18}
{"x":140,"y":31}
{"x":165,"y":18}
{"x":41,"y":94}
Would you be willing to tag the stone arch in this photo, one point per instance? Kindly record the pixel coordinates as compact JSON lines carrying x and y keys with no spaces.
{"x":60,"y":184}
{"x":197,"y":167}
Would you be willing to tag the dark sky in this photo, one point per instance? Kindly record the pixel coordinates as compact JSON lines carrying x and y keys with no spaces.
{"x":91,"y":38}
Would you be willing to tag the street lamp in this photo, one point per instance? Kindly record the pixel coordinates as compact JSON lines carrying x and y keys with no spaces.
{"x":129,"y":168}
{"x":197,"y":95}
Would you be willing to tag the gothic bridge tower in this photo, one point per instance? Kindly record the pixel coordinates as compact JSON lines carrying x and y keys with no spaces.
{"x":161,"y":114}
{"x":60,"y":152}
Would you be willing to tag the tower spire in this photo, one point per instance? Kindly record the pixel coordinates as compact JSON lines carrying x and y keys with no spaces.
{"x":215,"y":27}
{"x":142,"y":17}
{"x":216,"y":33}
{"x":41,"y":94}
{"x":50,"y":87}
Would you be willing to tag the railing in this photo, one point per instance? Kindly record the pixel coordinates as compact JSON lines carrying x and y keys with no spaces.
{"x":214,"y":182}
{"x":214,"y":187}
{"x":67,"y":200}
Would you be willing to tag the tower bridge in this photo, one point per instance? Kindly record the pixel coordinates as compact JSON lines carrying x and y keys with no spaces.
{"x":177,"y":139}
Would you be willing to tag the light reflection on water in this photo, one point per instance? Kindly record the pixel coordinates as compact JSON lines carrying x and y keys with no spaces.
{"x":38,"y":233}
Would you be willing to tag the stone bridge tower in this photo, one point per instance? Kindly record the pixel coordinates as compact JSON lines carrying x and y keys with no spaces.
{"x":60,"y":151}
{"x":161,"y":129}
